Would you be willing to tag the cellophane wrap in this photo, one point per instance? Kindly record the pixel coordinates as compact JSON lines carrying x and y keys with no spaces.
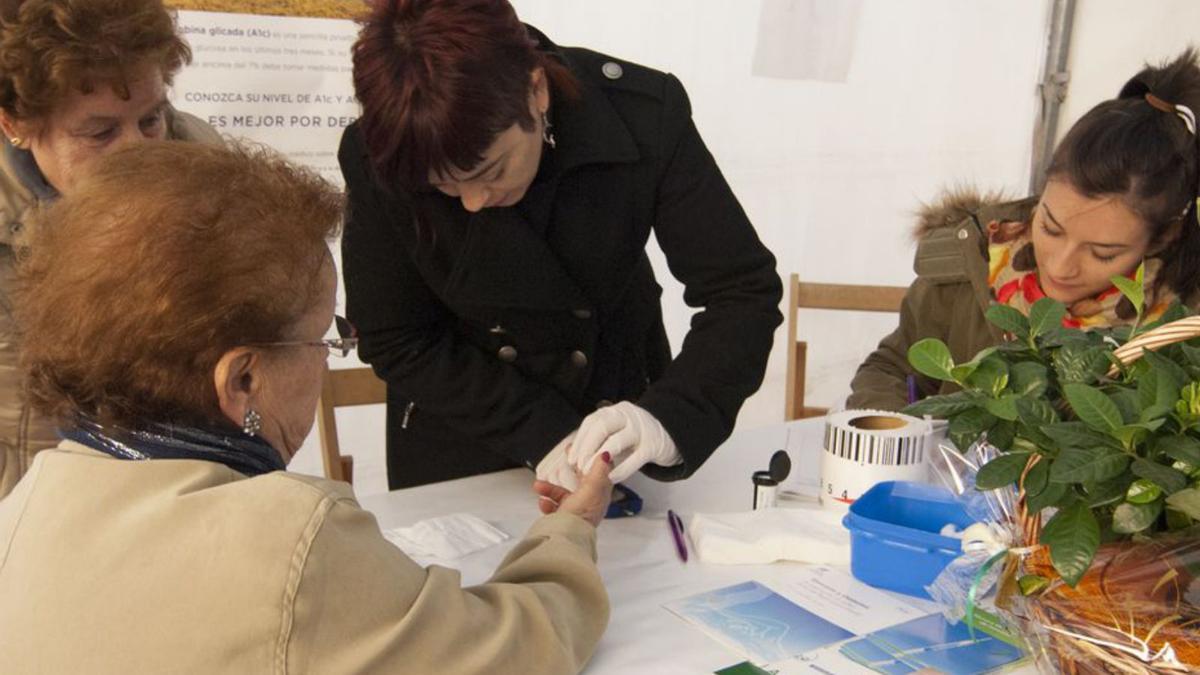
{"x":1136,"y":609}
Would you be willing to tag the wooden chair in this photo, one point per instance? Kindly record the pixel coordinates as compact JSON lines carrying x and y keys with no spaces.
{"x":345,"y":387}
{"x":826,"y":296}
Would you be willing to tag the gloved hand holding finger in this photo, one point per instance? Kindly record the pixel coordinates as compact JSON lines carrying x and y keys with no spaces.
{"x":555,"y":468}
{"x":630,"y":434}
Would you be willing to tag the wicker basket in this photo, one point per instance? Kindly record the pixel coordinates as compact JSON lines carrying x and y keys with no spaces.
{"x":1086,"y":612}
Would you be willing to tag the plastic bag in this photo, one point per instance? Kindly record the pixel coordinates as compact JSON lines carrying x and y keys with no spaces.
{"x":1136,"y":609}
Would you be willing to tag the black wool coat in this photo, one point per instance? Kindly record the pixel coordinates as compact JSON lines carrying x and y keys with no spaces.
{"x":498,"y":331}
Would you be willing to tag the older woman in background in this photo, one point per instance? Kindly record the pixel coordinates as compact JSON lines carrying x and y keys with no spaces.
{"x":77,"y":80}
{"x":177,"y":302}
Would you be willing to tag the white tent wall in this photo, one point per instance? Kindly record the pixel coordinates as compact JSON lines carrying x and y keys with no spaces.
{"x":939,"y":93}
{"x":1113,"y":39}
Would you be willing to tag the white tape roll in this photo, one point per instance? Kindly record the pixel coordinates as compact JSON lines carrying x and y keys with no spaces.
{"x":865,"y":447}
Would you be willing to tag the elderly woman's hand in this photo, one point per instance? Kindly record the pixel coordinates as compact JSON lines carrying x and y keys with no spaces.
{"x":589,"y":501}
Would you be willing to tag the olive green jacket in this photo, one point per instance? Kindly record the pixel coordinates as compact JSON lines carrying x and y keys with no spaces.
{"x":947,"y":300}
{"x":22,"y":432}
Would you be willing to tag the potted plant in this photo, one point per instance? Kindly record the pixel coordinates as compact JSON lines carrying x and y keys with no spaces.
{"x":1099,"y":438}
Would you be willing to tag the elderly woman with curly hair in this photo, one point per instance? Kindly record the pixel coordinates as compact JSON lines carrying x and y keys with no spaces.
{"x":77,"y":80}
{"x":180,"y":298}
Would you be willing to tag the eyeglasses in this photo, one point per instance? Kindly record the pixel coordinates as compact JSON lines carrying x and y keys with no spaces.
{"x":338,"y":346}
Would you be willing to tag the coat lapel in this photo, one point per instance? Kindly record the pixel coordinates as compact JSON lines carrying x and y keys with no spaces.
{"x":500,"y":260}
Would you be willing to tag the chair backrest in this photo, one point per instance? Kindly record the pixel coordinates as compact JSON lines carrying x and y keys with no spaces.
{"x":344,"y":387}
{"x":826,"y":296}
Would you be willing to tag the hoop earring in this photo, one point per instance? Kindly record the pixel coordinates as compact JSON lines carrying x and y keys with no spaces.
{"x":251,"y":423}
{"x":547,"y":136}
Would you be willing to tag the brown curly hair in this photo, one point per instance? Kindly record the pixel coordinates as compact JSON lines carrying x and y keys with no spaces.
{"x":165,"y":257}
{"x":51,"y":48}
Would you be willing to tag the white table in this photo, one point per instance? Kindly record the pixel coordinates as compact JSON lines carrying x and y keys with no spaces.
{"x":636,"y":555}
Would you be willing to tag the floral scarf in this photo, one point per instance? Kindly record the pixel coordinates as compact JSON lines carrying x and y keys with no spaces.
{"x":1012,"y":276}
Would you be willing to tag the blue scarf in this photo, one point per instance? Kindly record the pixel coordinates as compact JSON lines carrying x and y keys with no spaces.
{"x":248,"y":455}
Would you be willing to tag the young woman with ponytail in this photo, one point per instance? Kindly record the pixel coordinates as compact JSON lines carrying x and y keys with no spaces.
{"x":1121,"y":190}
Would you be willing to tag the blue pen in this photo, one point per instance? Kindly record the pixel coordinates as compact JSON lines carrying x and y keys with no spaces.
{"x":677,"y":534}
{"x":913,"y":396}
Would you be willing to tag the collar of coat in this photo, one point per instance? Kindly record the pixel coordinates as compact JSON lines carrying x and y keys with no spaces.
{"x":587,"y":130}
{"x":954,"y":206}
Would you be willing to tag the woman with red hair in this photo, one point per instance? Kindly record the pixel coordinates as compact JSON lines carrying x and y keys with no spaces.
{"x":502,"y":190}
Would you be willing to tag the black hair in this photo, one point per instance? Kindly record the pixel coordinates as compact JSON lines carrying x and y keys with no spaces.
{"x":1149,"y":158}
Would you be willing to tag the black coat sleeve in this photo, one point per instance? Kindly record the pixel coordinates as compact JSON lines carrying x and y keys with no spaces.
{"x":407,"y":334}
{"x":728,"y":274}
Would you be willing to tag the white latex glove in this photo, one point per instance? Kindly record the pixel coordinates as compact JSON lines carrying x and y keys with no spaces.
{"x":632,"y":436}
{"x":554,"y":467}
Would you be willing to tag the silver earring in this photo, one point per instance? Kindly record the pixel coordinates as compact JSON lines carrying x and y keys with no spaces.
{"x":251,"y":423}
{"x":547,"y":137}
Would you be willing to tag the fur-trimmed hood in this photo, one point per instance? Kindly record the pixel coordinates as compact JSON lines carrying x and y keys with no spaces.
{"x":955,"y":205}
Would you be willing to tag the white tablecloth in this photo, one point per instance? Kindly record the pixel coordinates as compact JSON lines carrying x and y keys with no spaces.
{"x":636,"y":555}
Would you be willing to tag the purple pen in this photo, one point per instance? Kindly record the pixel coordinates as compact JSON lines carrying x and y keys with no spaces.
{"x":913,"y":396}
{"x":677,"y":534}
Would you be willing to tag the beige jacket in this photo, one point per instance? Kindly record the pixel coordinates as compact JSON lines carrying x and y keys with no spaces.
{"x":22,"y":432}
{"x":180,"y":566}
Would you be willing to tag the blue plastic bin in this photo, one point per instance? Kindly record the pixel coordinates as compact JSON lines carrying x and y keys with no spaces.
{"x":894,"y":540}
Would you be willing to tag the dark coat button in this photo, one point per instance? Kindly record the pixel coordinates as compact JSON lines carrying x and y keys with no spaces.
{"x":507,"y":353}
{"x":582,"y":313}
{"x":579,"y":359}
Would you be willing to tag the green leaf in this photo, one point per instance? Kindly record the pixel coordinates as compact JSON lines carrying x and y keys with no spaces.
{"x":1034,"y":413}
{"x":1093,"y":407}
{"x":1050,"y":496}
{"x":965,"y":428}
{"x":1147,"y":388}
{"x":931,"y":357}
{"x":1087,"y":466}
{"x":1010,"y":320}
{"x":1191,"y":353}
{"x":1126,"y":401}
{"x":942,"y":406}
{"x":1080,"y":363}
{"x":1002,"y":471}
{"x":1143,"y":491}
{"x":1168,"y":479}
{"x":1109,"y":491}
{"x":1073,"y":536}
{"x":1038,"y":478}
{"x":1079,"y":435}
{"x":1130,"y":518}
{"x":990,"y":375}
{"x":1131,"y":289}
{"x":1004,"y":407}
{"x":1044,"y":315}
{"x":1131,"y":435}
{"x":1182,"y":448}
{"x":1155,"y":413}
{"x":1171,"y":377}
{"x":1002,"y":434}
{"x":1187,"y":501}
{"x":1178,"y":520}
{"x":1028,"y":378}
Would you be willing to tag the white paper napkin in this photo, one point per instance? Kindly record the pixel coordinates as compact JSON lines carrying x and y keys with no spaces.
{"x":445,"y":537}
{"x":803,"y":534}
